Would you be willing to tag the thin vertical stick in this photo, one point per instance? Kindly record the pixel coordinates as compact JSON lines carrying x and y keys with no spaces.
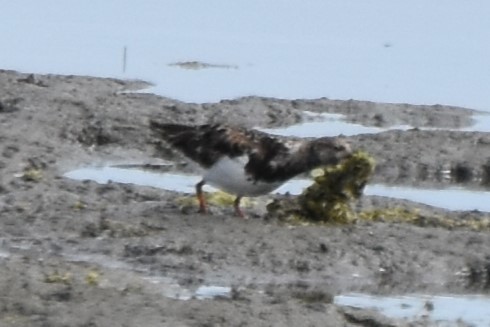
{"x":125,"y":56}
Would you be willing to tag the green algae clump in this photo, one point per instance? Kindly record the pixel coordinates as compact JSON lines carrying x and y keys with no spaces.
{"x":32,"y":175}
{"x":418,"y":218}
{"x":328,"y":198}
{"x":328,"y":201}
{"x":222,"y":199}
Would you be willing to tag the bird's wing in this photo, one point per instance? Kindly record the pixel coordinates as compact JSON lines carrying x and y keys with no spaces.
{"x":205,"y":144}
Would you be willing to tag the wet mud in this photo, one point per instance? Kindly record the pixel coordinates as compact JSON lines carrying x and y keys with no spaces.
{"x":78,"y":253}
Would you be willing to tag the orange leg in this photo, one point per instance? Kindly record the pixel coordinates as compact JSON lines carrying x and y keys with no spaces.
{"x":238,"y":211}
{"x":203,"y":208}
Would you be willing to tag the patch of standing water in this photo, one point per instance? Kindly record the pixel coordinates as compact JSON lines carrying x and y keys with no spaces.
{"x":482,"y":124}
{"x":168,"y":181}
{"x":446,"y":310}
{"x":451,"y":198}
{"x":328,"y":124}
{"x":177,"y":292}
{"x":4,"y":255}
{"x":211,"y":292}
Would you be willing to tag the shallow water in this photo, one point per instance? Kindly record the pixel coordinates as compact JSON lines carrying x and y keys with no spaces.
{"x":447,"y":310}
{"x":326,"y":124}
{"x":450,"y":198}
{"x":481,"y":124}
{"x":399,"y":51}
{"x":211,"y":291}
{"x":169,"y":181}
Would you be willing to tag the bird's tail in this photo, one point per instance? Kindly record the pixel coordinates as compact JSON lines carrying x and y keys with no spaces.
{"x":167,"y":129}
{"x":184,"y":138}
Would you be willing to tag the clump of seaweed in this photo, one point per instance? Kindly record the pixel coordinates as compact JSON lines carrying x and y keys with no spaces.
{"x":329,"y":198}
{"x":32,"y":175}
{"x":418,"y":218}
{"x":92,"y":278}
{"x":59,"y":278}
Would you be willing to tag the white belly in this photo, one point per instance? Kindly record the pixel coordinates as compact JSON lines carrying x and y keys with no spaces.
{"x":228,"y":175}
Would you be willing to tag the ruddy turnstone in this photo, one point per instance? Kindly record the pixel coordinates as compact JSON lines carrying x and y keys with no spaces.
{"x":246,"y":162}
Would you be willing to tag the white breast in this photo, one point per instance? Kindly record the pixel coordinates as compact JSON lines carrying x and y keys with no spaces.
{"x":229,"y":175}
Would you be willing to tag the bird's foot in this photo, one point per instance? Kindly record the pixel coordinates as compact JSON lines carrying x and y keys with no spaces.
{"x":204,"y":211}
{"x":239,"y":213}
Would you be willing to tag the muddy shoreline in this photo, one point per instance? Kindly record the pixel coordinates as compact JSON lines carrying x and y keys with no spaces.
{"x":77,"y":253}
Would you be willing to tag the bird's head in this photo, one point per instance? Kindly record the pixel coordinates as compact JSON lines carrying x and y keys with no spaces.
{"x":329,"y":151}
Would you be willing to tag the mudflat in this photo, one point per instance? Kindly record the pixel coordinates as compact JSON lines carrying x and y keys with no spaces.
{"x":78,"y":253}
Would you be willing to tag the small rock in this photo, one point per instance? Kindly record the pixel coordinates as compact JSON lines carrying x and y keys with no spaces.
{"x":429,"y":306}
{"x":323,"y":248}
{"x":9,"y":105}
{"x":366,"y":318}
{"x":486,"y":173}
{"x":32,"y":79}
{"x":462,"y":173}
{"x":9,"y":151}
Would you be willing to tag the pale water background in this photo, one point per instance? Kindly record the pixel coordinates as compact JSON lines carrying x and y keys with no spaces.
{"x":419,"y":51}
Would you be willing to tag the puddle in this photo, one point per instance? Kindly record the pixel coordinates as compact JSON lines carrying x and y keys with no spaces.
{"x":212,"y":292}
{"x":169,"y":289}
{"x":98,"y":259}
{"x":447,"y":310}
{"x":4,"y":255}
{"x":169,"y":181}
{"x":174,"y":291}
{"x":327,"y":124}
{"x":481,"y":124}
{"x":452,"y":198}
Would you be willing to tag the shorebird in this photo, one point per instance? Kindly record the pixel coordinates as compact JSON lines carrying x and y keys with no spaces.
{"x":247,"y":162}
